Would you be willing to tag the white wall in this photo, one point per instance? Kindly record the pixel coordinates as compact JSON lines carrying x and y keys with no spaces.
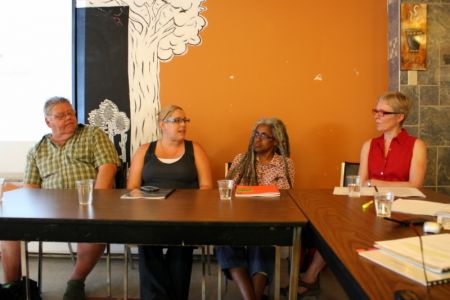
{"x":13,"y":158}
{"x":35,"y":64}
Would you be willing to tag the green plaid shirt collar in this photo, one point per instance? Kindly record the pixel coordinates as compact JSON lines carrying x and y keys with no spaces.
{"x":54,"y":166}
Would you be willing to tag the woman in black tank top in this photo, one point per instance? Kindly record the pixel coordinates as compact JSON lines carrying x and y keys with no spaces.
{"x":170,"y":162}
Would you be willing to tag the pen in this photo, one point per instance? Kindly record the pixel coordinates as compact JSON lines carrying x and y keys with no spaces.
{"x":367,"y":204}
{"x":376,"y":189}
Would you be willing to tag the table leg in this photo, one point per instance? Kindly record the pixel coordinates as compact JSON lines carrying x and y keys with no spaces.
{"x":276,"y":292}
{"x":108,"y":269}
{"x":203,"y":273}
{"x":125,"y":271}
{"x":295,"y":263}
{"x":25,"y":266}
{"x":219,"y":282}
{"x":40,"y":267}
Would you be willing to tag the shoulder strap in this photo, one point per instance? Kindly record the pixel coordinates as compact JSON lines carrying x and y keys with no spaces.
{"x":150,"y":151}
{"x":189,"y":148}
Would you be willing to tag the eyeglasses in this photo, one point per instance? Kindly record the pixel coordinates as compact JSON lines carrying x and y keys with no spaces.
{"x":262,"y":135}
{"x":177,"y":120}
{"x":382,"y":113}
{"x":62,"y":116}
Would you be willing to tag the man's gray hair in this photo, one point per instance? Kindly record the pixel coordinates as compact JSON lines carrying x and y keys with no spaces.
{"x":50,"y":103}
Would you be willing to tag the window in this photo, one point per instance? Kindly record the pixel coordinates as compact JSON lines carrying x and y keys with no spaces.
{"x":35,"y":64}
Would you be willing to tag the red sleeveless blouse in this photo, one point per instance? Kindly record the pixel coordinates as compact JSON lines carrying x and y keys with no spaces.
{"x":395,"y":166}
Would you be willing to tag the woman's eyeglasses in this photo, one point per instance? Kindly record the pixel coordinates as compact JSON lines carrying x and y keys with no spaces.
{"x":382,"y":113}
{"x":177,"y":120}
{"x":262,"y":135}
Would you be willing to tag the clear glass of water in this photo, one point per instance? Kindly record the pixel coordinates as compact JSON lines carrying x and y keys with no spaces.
{"x":2,"y":182}
{"x":383,"y":203}
{"x":225,"y":188}
{"x":354,"y":186}
{"x":85,"y":191}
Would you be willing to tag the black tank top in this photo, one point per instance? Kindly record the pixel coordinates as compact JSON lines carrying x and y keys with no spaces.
{"x":181,"y":174}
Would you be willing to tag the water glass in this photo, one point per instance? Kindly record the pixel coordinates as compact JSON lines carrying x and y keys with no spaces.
{"x":2,"y":183}
{"x":354,"y":186}
{"x":85,"y":191}
{"x":383,"y":203}
{"x":225,"y":188}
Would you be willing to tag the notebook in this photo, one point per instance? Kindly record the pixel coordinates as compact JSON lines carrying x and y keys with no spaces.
{"x":419,"y":207}
{"x":436,"y":248}
{"x":404,"y":257}
{"x":411,"y":271}
{"x":257,"y":191}
{"x":138,"y":194}
{"x":399,"y":192}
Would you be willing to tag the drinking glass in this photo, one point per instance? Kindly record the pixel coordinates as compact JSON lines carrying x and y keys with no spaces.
{"x":85,"y":191}
{"x":354,"y":186}
{"x":225,"y":188}
{"x":383,"y":203}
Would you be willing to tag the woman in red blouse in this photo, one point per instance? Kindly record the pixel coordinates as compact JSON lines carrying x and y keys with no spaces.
{"x":395,"y":158}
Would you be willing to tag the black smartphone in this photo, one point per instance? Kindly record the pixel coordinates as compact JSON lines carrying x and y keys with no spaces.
{"x":149,"y":188}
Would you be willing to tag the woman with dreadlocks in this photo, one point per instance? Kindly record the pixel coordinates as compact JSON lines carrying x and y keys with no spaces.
{"x":266,"y":162}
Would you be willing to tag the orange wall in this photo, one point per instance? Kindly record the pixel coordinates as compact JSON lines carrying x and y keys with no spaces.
{"x":259,"y":58}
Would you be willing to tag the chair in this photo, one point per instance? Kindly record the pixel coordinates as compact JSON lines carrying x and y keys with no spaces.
{"x":348,"y":168}
{"x":24,"y":245}
{"x":227,"y":168}
{"x":120,"y":182}
{"x":121,"y":178}
{"x":128,"y":258}
{"x":276,"y":267}
{"x":219,"y":269}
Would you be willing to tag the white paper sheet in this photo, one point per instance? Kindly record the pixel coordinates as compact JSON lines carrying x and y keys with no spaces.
{"x":419,"y":207}
{"x":404,"y":256}
{"x":399,"y":192}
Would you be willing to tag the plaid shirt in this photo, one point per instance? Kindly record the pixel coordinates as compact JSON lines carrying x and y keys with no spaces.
{"x":53,"y":166}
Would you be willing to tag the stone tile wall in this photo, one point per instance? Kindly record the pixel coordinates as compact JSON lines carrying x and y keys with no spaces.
{"x":430,"y":116}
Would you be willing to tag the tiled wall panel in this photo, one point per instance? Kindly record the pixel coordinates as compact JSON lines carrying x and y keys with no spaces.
{"x":430,"y":115}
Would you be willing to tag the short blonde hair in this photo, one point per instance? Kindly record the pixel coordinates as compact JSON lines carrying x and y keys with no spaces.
{"x":167,"y":111}
{"x":399,"y":102}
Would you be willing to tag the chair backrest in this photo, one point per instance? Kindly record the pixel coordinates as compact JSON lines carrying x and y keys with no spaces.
{"x":348,"y":168}
{"x":121,"y":176}
{"x":227,"y":167}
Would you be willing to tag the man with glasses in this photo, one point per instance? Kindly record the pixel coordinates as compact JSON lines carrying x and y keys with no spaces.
{"x":70,"y":152}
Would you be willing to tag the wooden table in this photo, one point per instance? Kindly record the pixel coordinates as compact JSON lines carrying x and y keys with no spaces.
{"x":342,"y":227}
{"x":187,"y":217}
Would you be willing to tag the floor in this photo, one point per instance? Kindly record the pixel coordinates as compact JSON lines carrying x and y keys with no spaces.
{"x":57,"y":269}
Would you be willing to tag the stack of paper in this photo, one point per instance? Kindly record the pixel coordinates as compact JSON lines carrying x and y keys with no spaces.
{"x":419,"y":207}
{"x":399,"y":192}
{"x":404,"y":256}
{"x":257,"y":191}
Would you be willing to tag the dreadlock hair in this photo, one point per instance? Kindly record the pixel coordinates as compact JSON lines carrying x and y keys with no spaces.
{"x":246,"y":168}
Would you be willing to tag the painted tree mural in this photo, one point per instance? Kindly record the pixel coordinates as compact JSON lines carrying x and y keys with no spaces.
{"x":158,"y":30}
